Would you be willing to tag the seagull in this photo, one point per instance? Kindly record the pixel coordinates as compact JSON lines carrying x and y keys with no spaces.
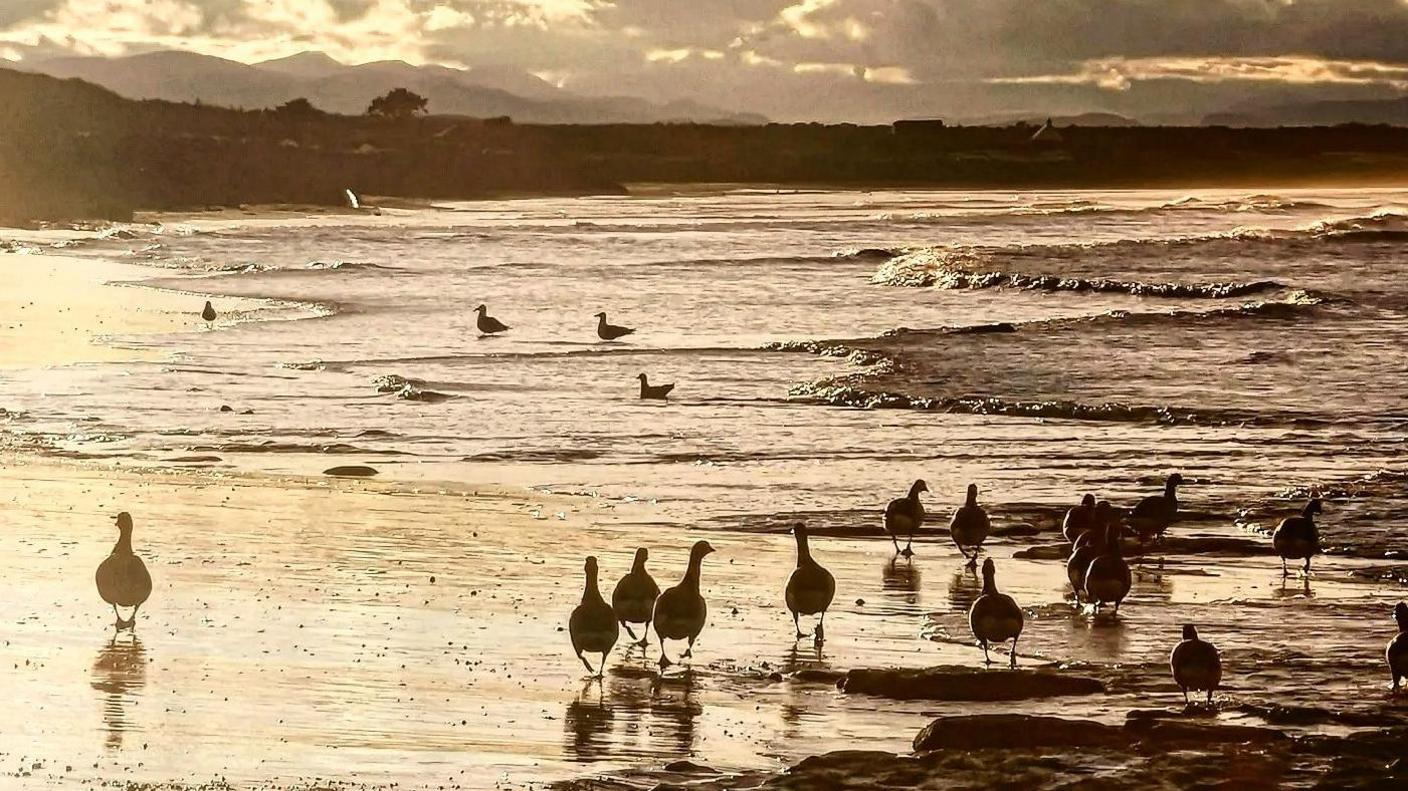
{"x":487,"y":324}
{"x":995,"y":617}
{"x":1195,"y":664}
{"x":593,"y":626}
{"x":810,"y":589}
{"x":680,"y":611}
{"x":633,"y":599}
{"x":209,"y":313}
{"x":122,"y":577}
{"x":970,"y":526}
{"x":654,"y":392}
{"x":907,"y":514}
{"x":610,"y":332}
{"x":1296,"y":537}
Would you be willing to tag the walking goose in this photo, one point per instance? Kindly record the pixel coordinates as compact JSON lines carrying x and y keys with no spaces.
{"x":650,"y":391}
{"x":1108,"y":579}
{"x":209,"y":313}
{"x":1079,"y":519}
{"x":593,"y":626}
{"x":1152,"y":516}
{"x":810,"y":589}
{"x":680,"y":611}
{"x":488,"y":325}
{"x":1088,"y":546}
{"x":1195,"y":664}
{"x":610,"y":332}
{"x":633,"y":598}
{"x":995,"y":617}
{"x":970,"y":526}
{"x":122,"y":577}
{"x":907,"y":514}
{"x":1397,"y":652}
{"x":1296,"y":538}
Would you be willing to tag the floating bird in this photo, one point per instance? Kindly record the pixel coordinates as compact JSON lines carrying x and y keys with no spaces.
{"x":610,"y":332}
{"x":634,"y":597}
{"x":593,"y":626}
{"x":680,"y":611}
{"x":657,"y":392}
{"x":209,"y":313}
{"x":1152,"y":516}
{"x":995,"y":617}
{"x":122,"y":577}
{"x":810,"y":589}
{"x":1088,"y":546}
{"x":1079,"y":519}
{"x":1195,"y":664}
{"x":1296,"y":537}
{"x":970,"y":526}
{"x":487,"y":324}
{"x":1397,"y":652}
{"x":906,"y":514}
{"x":1108,"y":579}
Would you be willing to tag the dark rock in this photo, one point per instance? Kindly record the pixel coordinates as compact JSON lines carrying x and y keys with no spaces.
{"x":1181,"y":732}
{"x":350,"y":471}
{"x":1044,"y":552}
{"x":958,"y":683}
{"x":690,"y":767}
{"x":1015,"y":731}
{"x":818,"y":675}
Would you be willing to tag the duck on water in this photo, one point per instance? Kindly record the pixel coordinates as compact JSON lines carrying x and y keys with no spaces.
{"x":810,"y":589}
{"x":122,"y":577}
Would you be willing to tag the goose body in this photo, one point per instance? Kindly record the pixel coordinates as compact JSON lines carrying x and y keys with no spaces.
{"x":995,"y":617}
{"x":1087,"y":547}
{"x":1297,"y":538}
{"x":1152,"y":515}
{"x":122,"y":577}
{"x":1108,"y":579}
{"x":209,"y":312}
{"x":610,"y":332}
{"x":650,"y":391}
{"x":593,"y":626}
{"x":810,"y":589}
{"x":633,"y":599}
{"x":1080,"y":519}
{"x":486,"y":324}
{"x":1196,"y":665}
{"x":969,"y":527}
{"x":680,"y":612}
{"x":905,"y":515}
{"x":1397,"y":651}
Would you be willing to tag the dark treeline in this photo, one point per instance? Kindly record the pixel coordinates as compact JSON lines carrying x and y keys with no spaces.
{"x":69,"y":149}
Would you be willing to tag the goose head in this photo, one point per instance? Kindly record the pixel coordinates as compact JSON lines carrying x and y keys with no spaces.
{"x":1400,"y":614}
{"x":1174,"y":480}
{"x":972,"y":494}
{"x":699,"y":550}
{"x":124,"y":522}
{"x":1314,"y":507}
{"x":919,"y":486}
{"x":1190,"y":632}
{"x":642,"y":555}
{"x":989,"y":570}
{"x":591,"y":567}
{"x":1087,"y":501}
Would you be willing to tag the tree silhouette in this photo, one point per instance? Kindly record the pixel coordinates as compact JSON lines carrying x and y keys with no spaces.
{"x":398,"y":103}
{"x":298,"y":108}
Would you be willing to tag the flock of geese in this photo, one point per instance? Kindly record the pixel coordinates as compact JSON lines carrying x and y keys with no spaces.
{"x":1096,"y":567}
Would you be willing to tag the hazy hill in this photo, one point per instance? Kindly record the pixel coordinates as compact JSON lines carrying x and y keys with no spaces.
{"x":1317,"y":113}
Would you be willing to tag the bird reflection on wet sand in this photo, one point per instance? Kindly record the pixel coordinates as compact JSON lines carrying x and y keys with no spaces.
{"x":964,"y":588}
{"x":588,"y":724}
{"x":632,"y":713}
{"x":1290,"y":588}
{"x":901,"y":577}
{"x":119,"y":672}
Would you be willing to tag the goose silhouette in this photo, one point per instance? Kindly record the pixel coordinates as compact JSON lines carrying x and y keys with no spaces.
{"x":1297,"y":538}
{"x":1079,"y":519}
{"x":1196,"y":665}
{"x":1397,"y":651}
{"x":122,"y":577}
{"x":1108,"y":579}
{"x":610,"y":332}
{"x":633,"y":598}
{"x":656,"y":392}
{"x":1152,"y":515}
{"x":592,"y":625}
{"x":1088,"y":546}
{"x":810,"y":589}
{"x":995,"y":617}
{"x":486,"y":324}
{"x":905,"y":514}
{"x":680,"y":612}
{"x":969,"y":527}
{"x":209,"y":313}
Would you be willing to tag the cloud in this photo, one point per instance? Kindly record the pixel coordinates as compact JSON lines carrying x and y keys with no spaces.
{"x":1121,"y":73}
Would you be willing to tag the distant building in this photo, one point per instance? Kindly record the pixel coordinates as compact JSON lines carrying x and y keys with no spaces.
{"x":917,"y":127}
{"x":1048,"y":134}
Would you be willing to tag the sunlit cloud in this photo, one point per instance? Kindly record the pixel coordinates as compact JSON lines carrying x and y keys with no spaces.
{"x":1119,"y":74}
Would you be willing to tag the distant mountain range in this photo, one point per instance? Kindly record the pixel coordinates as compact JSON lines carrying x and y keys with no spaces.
{"x":1317,"y":113}
{"x":339,"y":88}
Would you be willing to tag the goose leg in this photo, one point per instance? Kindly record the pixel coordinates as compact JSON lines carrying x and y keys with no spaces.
{"x":645,"y":636}
{"x":1285,"y":572}
{"x":908,"y":546}
{"x":797,"y":624}
{"x":664,"y":660}
{"x":1186,"y":702}
{"x":601,"y":669}
{"x":1307,"y":566}
{"x":627,"y":627}
{"x":820,"y":636}
{"x":894,"y":541}
{"x":987,"y":659}
{"x":117,"y":615}
{"x":689,"y":650}
{"x":1209,"y":698}
{"x":585,"y":663}
{"x":1014,"y":653}
{"x":1117,"y":608}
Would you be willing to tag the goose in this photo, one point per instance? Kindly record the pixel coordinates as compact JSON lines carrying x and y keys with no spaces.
{"x":633,"y":598}
{"x":970,"y":526}
{"x":650,"y":391}
{"x":488,"y":325}
{"x":810,"y":589}
{"x":1108,"y":579}
{"x":122,"y":577}
{"x":1087,"y":547}
{"x":209,"y":313}
{"x":1296,"y":537}
{"x":1152,"y":515}
{"x":907,"y":514}
{"x":995,"y":617}
{"x":1195,"y":664}
{"x":1079,"y":519}
{"x":593,"y":626}
{"x":1397,"y":651}
{"x":610,"y":332}
{"x":680,"y":611}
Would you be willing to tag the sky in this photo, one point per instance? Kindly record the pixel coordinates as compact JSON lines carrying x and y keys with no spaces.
{"x":801,"y":59}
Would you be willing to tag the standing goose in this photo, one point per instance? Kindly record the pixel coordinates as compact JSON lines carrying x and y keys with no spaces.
{"x":593,"y":625}
{"x":488,"y":325}
{"x":650,"y":391}
{"x":610,"y":332}
{"x":1152,"y":516}
{"x":1397,"y":652}
{"x":905,"y":514}
{"x":680,"y":611}
{"x":1088,"y":546}
{"x":995,"y":617}
{"x":209,"y":313}
{"x":1195,"y":664}
{"x":970,"y":526}
{"x":810,"y":589}
{"x":1108,"y":579}
{"x":122,"y":577}
{"x":634,"y":597}
{"x":1296,"y":538}
{"x":1079,"y":519}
